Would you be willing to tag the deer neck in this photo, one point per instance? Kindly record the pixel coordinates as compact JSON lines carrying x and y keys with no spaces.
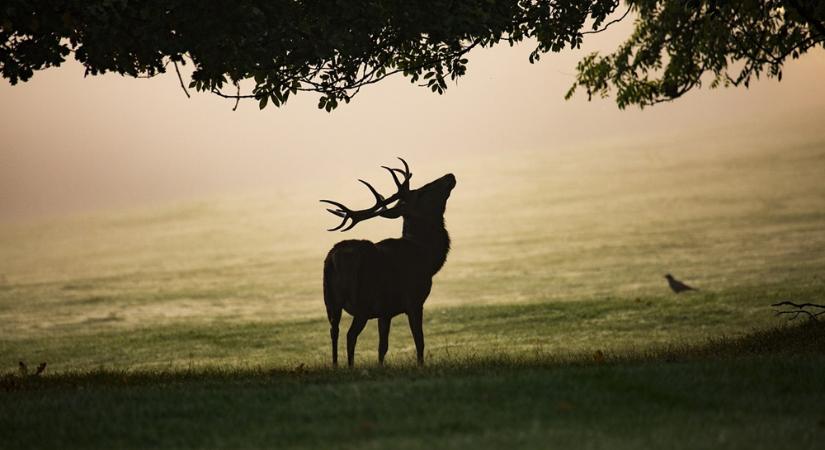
{"x":432,"y":235}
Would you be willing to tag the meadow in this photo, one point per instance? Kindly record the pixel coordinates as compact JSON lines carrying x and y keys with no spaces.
{"x":201,"y":324}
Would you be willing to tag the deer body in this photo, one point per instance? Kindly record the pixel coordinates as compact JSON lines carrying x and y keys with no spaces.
{"x":391,"y":277}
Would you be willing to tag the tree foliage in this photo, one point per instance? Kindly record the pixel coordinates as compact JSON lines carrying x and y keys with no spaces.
{"x":336,"y":47}
{"x":678,"y":45}
{"x":283,"y":46}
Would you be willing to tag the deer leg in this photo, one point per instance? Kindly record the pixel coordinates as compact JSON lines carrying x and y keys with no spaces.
{"x":355,"y":328}
{"x":416,"y":318}
{"x":334,"y":320}
{"x":383,"y":337}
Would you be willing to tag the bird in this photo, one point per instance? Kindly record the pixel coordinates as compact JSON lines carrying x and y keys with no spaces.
{"x":677,"y":285}
{"x":40,"y":368}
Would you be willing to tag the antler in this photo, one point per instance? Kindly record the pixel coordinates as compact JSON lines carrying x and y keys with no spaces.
{"x":401,"y":185}
{"x":381,"y":203}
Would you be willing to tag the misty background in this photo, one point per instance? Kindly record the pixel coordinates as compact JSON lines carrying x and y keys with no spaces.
{"x":78,"y":145}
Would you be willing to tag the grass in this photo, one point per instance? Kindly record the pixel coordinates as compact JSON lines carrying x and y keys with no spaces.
{"x":202,"y":325}
{"x":759,"y":391}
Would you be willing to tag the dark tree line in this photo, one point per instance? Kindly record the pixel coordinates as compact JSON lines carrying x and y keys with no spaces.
{"x":335,"y":48}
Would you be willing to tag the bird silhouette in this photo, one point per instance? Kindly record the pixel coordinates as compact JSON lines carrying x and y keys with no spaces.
{"x":677,"y":285}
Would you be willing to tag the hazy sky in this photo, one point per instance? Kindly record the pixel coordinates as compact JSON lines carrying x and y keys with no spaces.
{"x":71,"y":144}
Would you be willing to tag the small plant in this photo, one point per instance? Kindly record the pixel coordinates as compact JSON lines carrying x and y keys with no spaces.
{"x":23,"y":369}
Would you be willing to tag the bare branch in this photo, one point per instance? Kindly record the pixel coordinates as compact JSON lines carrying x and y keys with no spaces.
{"x":180,"y":78}
{"x":799,"y":308}
{"x":237,"y":100}
{"x":230,"y":96}
{"x":607,"y":25}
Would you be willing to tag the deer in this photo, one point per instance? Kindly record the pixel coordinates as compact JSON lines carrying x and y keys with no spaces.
{"x":381,"y":280}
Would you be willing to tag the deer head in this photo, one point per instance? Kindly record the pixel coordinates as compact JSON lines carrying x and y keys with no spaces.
{"x":425,"y":203}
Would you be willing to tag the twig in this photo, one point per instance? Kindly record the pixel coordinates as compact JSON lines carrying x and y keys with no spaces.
{"x":229,"y":96}
{"x":180,"y":78}
{"x":609,"y":23}
{"x":800,"y":309}
{"x":238,"y":99}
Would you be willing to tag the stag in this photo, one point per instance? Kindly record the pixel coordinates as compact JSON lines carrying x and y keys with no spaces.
{"x":382,"y":280}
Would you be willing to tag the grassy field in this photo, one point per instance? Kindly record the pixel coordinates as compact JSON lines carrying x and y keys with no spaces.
{"x":762,"y":391}
{"x":202,"y":324}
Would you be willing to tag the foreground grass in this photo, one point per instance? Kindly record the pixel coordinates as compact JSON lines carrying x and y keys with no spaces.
{"x":763,"y":390}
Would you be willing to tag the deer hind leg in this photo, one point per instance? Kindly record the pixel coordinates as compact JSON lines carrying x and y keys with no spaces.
{"x":416,"y":319}
{"x":334,"y":316}
{"x":383,"y":337}
{"x":355,"y":328}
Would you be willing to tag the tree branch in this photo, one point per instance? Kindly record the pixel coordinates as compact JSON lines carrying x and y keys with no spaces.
{"x":180,"y":78}
{"x":799,"y":308}
{"x":609,"y":23}
{"x":354,"y":86}
{"x":237,"y":100}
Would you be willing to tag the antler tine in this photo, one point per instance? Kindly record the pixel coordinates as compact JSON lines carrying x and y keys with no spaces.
{"x":398,"y":184}
{"x":342,"y":212}
{"x":406,"y":168}
{"x":340,"y":206}
{"x":352,"y":224}
{"x":339,"y":225}
{"x":405,"y":172}
{"x":379,"y":199}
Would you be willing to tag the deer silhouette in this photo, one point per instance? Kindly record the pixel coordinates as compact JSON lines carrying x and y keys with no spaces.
{"x":382,"y":280}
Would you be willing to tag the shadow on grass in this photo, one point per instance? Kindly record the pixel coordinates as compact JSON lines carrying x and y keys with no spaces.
{"x":791,"y":340}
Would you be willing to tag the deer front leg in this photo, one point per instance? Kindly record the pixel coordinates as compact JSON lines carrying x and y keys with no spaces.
{"x":416,"y":319}
{"x":383,"y":337}
{"x":355,"y":328}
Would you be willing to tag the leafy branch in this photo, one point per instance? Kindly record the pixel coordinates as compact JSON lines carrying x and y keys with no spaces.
{"x":283,"y":47}
{"x":678,"y":45}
